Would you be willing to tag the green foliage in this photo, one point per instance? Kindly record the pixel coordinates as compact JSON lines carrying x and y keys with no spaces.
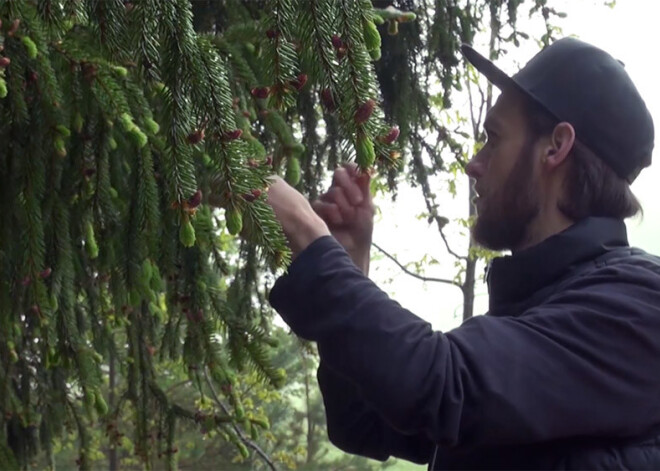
{"x":287,"y":425}
{"x":125,"y":126}
{"x":109,"y":249}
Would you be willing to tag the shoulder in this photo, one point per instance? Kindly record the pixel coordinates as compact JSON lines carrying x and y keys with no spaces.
{"x":621,"y":287}
{"x":636,"y":260}
{"x":624,"y":266}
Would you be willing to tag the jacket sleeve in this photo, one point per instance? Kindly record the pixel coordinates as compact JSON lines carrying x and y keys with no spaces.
{"x":583,"y":364}
{"x":355,"y":427}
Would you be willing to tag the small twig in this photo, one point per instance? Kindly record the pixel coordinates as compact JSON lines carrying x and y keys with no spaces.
{"x":432,"y":151}
{"x":443,"y":135}
{"x":429,"y":199}
{"x":484,"y":101}
{"x":444,"y":239}
{"x":476,"y":122}
{"x":494,"y":38}
{"x":236,"y":428}
{"x":469,"y":90}
{"x":413,"y":274}
{"x":177,"y":385}
{"x":84,"y":436}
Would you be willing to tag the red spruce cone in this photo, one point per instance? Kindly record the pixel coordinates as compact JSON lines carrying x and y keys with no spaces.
{"x":364,"y":111}
{"x":14,"y":27}
{"x":89,"y":71}
{"x":299,"y":82}
{"x":391,"y":136}
{"x":232,"y":135}
{"x":196,"y":137}
{"x":328,"y":100}
{"x":195,"y":199}
{"x":260,"y":92}
{"x":253,"y":195}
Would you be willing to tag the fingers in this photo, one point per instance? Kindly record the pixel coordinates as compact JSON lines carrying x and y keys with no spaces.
{"x":363,"y":181}
{"x":339,"y":205}
{"x":345,"y":178}
{"x":329,"y":212}
{"x":276,"y":180}
{"x":337,"y":196}
{"x":361,"y":177}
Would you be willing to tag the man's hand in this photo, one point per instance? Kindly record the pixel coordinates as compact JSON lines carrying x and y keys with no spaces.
{"x":348,"y":210}
{"x":300,"y":223}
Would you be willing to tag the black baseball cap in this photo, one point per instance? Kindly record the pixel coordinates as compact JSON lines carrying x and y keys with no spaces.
{"x":586,"y":87}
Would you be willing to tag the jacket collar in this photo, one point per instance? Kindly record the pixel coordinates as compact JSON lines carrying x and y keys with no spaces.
{"x":513,"y":278}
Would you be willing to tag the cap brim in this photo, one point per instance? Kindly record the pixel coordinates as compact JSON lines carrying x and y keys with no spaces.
{"x":495,"y":75}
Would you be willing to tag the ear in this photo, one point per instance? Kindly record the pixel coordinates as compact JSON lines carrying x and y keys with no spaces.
{"x":560,"y":145}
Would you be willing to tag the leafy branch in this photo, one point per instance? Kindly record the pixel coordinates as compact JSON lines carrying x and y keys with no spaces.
{"x":413,"y":274}
{"x":236,"y":428}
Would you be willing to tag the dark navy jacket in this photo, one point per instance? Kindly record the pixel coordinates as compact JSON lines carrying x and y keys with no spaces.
{"x":562,"y":373}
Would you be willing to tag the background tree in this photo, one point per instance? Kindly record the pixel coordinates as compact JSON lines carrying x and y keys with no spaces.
{"x":421,"y":74}
{"x":295,"y":439}
{"x":119,"y":119}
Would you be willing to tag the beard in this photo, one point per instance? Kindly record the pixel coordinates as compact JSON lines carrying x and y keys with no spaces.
{"x":504,"y":218}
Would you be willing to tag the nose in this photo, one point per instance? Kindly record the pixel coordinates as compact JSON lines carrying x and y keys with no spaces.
{"x":475,"y":167}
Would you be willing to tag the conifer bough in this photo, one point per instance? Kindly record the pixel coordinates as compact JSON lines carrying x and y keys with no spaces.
{"x":365,"y":151}
{"x":122,"y":125}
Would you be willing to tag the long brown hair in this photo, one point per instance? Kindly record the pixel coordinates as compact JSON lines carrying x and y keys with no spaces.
{"x":591,"y":187}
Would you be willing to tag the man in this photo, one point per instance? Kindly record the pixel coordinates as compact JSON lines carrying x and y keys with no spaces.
{"x":563,"y":371}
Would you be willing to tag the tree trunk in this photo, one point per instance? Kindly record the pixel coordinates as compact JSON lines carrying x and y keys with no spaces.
{"x":113,"y":462}
{"x":470,"y":267}
{"x":312,"y":446}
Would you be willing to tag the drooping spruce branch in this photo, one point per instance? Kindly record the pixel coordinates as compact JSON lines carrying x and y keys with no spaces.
{"x":124,"y":130}
{"x":281,"y":58}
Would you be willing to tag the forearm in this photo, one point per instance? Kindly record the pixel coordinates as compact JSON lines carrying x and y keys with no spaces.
{"x":361,"y":259}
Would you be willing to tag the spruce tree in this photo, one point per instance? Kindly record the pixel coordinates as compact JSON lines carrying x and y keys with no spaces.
{"x":120,"y":124}
{"x":137,"y":141}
